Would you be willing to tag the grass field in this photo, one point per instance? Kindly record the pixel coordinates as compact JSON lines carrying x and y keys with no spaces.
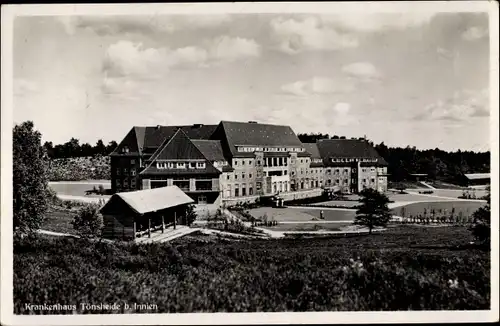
{"x":309,"y":227}
{"x":201,"y":274}
{"x":301,"y":214}
{"x":466,"y":207}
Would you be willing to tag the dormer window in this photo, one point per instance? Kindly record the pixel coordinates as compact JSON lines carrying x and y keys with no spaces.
{"x":200,"y":165}
{"x":125,"y":149}
{"x":181,"y":165}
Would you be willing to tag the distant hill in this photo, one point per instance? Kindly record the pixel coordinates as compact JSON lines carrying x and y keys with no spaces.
{"x":80,"y":168}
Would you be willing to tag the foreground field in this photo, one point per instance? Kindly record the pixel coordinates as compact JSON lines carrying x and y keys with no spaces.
{"x":405,"y":268}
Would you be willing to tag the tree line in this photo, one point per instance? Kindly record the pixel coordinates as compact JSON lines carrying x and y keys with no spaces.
{"x":73,"y":148}
{"x":436,"y":163}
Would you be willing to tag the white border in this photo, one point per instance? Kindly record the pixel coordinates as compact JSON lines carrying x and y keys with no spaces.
{"x":11,"y":11}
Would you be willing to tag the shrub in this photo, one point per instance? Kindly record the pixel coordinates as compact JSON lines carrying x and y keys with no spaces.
{"x":191,"y":215}
{"x":88,"y":222}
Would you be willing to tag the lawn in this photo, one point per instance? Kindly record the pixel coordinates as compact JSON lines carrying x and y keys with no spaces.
{"x":58,"y":220}
{"x":78,"y":188}
{"x":309,"y":227}
{"x":200,"y":274}
{"x":302,"y":214}
{"x":466,"y":207}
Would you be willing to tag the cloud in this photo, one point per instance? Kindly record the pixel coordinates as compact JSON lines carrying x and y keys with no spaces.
{"x":341,"y":115}
{"x":141,"y":24}
{"x":475,"y":33}
{"x":23,"y":87}
{"x":362,"y":70}
{"x":228,"y":48}
{"x":461,"y":106}
{"x":374,"y":22}
{"x":317,"y":85}
{"x":296,"y":36}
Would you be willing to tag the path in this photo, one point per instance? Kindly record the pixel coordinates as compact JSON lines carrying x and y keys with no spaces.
{"x":169,"y":235}
{"x":85,"y":199}
{"x":427,"y":185}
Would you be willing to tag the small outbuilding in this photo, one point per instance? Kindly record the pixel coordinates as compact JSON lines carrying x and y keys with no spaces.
{"x":477,"y":179}
{"x":129,"y":215}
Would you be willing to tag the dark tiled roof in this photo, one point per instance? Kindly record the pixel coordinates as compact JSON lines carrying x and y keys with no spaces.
{"x":347,"y":148}
{"x":130,"y":141}
{"x":313,"y":149}
{"x":154,"y":136}
{"x":211,"y":149}
{"x":245,"y":133}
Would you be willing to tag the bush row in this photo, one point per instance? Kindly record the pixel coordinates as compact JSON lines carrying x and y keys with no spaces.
{"x":80,"y":168}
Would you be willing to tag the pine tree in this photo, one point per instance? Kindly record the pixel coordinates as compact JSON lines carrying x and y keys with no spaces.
{"x":374,"y":210}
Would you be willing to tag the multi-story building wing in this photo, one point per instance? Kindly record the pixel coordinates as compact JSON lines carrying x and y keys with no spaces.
{"x":140,"y":143}
{"x":352,"y":165}
{"x":267,"y":159}
{"x":316,"y":166}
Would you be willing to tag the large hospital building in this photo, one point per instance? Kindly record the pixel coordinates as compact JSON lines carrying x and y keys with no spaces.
{"x":241,"y":161}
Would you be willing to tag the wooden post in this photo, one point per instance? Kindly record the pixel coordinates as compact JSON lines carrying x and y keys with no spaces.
{"x":135,"y":228}
{"x":149,"y":227}
{"x":175,"y":219}
{"x":162,"y":224}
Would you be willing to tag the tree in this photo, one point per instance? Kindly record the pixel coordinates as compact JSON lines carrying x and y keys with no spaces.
{"x":30,"y":184}
{"x":190,"y":215}
{"x":481,"y":224}
{"x":112,"y":145}
{"x":88,"y":222}
{"x":99,"y":148}
{"x":374,"y":210}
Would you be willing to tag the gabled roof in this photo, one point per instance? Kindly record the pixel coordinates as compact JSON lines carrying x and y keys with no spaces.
{"x":313,"y":149}
{"x":258,"y":134}
{"x":347,"y":148}
{"x":211,"y":149}
{"x":151,"y":200}
{"x":178,"y":147}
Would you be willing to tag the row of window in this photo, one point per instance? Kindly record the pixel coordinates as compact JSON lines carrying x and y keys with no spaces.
{"x":125,"y":183}
{"x":180,"y":165}
{"x":247,"y":149}
{"x":342,"y":159}
{"x":125,"y":171}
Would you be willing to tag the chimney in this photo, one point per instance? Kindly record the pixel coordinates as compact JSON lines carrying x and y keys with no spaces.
{"x":252,"y":121}
{"x":197,"y":125}
{"x":158,"y":127}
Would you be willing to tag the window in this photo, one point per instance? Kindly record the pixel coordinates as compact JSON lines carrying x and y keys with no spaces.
{"x":132,"y":162}
{"x":243,"y":190}
{"x":250,"y":162}
{"x":132,"y":171}
{"x":170,"y":165}
{"x":337,"y":171}
{"x":132,"y":183}
{"x":243,"y":175}
{"x":346,"y":182}
{"x":200,"y":165}
{"x":125,"y":182}
{"x":250,"y":176}
{"x":337,"y":181}
{"x":118,"y":171}
{"x":181,"y":165}
{"x":118,"y":182}
{"x":364,"y":180}
{"x":235,"y":162}
{"x":285,"y":172}
{"x":373,"y":169}
{"x":258,"y":162}
{"x":228,"y":177}
{"x":250,"y":191}
{"x":125,"y":171}
{"x":301,"y":161}
{"x":373,"y":180}
{"x":235,"y":176}
{"x":243,"y":162}
{"x":236,"y":191}
{"x":192,"y":165}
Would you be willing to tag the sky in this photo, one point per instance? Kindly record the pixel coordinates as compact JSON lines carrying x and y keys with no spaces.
{"x":418,"y":79}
